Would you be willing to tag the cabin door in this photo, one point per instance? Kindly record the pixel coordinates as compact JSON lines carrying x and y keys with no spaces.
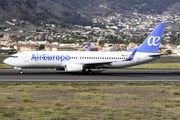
{"x":26,"y":58}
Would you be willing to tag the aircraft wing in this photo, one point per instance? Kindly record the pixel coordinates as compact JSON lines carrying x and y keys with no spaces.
{"x":96,"y":63}
{"x":108,"y":62}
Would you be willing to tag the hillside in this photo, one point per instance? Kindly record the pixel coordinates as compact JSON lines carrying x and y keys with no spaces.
{"x":175,"y":8}
{"x":29,"y":11}
{"x":24,"y":10}
{"x":89,"y":8}
{"x":78,"y":12}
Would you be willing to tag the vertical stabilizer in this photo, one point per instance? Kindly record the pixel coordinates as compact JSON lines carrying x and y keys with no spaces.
{"x":153,"y":41}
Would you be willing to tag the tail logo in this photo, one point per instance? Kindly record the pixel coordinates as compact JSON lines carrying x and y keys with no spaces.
{"x":153,"y":41}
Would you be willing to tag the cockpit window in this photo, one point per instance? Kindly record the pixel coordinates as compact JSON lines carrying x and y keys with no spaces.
{"x":14,"y":56}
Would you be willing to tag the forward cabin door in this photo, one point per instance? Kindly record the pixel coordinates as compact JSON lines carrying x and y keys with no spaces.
{"x":26,"y":57}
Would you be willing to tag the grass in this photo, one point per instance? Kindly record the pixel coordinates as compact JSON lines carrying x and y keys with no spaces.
{"x":27,"y":99}
{"x":4,"y":66}
{"x":9,"y":97}
{"x":162,"y":91}
{"x":165,"y":66}
{"x":8,"y":113}
{"x":64,"y":101}
{"x":176,"y":92}
{"x":57,"y":103}
{"x":167,"y":105}
{"x":1,"y":55}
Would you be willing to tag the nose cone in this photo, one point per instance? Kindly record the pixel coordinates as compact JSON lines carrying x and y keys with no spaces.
{"x":6,"y":61}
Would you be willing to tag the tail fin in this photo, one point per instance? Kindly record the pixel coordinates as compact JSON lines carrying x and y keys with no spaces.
{"x":153,"y":41}
{"x":88,"y":46}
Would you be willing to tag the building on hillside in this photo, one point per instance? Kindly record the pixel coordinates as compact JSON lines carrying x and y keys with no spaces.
{"x":2,"y":41}
{"x":63,"y":49}
{"x":48,"y":48}
{"x":29,"y":48}
{"x":132,"y":45}
{"x":17,"y":47}
{"x":123,"y":46}
{"x":176,"y":51}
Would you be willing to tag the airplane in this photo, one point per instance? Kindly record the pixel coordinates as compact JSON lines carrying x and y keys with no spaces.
{"x":85,"y":61}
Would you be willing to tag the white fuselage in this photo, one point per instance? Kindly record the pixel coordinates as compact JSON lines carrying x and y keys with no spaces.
{"x":58,"y":59}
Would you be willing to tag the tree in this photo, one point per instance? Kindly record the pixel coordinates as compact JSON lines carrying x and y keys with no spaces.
{"x":41,"y":47}
{"x":43,"y":37}
{"x":169,"y":51}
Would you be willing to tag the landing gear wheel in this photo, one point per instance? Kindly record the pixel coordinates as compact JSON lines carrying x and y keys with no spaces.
{"x":65,"y":68}
{"x":90,"y":71}
{"x":21,"y":72}
{"x":84,"y":71}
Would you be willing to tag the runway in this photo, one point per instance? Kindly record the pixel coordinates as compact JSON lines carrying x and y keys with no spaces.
{"x":106,"y":75}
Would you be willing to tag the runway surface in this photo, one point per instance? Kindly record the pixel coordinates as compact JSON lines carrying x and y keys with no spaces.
{"x":107,"y":75}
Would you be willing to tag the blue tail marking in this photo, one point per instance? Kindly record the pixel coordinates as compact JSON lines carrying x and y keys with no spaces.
{"x":153,"y":41}
{"x":132,"y":55}
{"x":88,"y":46}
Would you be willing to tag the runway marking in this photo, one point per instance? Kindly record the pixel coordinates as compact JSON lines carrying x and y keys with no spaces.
{"x":29,"y":80}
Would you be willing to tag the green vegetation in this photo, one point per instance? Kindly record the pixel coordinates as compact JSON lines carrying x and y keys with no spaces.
{"x":1,"y":55}
{"x":57,"y":103}
{"x":64,"y":101}
{"x":29,"y":11}
{"x":162,"y":91}
{"x":91,"y":7}
{"x":169,"y":51}
{"x":65,"y":14}
{"x":176,"y":92}
{"x":27,"y":99}
{"x":165,"y":66}
{"x":4,"y":66}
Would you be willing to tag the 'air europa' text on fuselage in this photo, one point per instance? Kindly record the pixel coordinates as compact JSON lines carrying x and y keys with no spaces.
{"x":46,"y":57}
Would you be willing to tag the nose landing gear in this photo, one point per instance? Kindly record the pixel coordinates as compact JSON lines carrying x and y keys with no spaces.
{"x":18,"y":68}
{"x":20,"y":72}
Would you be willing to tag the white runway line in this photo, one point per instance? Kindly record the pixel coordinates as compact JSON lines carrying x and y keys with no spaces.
{"x":33,"y":80}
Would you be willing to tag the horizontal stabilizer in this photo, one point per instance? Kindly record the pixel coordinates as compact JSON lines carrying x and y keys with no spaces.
{"x":155,"y":55}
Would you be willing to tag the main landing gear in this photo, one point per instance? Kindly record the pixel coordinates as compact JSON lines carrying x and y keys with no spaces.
{"x":89,"y":71}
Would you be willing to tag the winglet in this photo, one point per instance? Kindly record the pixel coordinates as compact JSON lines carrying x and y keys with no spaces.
{"x":132,"y":55}
{"x":88,"y":46}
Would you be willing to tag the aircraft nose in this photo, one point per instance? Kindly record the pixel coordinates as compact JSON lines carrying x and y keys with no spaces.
{"x":6,"y":61}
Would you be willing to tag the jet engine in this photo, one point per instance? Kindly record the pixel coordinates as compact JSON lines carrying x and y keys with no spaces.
{"x":73,"y":68}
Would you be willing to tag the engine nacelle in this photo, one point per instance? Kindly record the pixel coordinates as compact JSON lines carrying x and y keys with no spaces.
{"x":73,"y":68}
